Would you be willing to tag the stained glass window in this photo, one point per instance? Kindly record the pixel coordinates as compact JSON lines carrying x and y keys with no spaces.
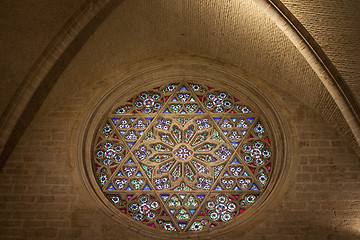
{"x":183,"y":157}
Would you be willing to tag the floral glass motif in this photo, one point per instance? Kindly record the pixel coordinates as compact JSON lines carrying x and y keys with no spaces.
{"x":183,"y":157}
{"x":221,"y":208}
{"x":182,"y":153}
{"x":144,"y":209}
{"x":148,"y":102}
{"x":110,"y":153}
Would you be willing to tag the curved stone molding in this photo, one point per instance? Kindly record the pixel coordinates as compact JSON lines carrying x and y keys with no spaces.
{"x":317,"y":59}
{"x":46,"y":71}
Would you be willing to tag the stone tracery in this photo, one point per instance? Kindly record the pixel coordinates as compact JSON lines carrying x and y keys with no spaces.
{"x":198,"y":154}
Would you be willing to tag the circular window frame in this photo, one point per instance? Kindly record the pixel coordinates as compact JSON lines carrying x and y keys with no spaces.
{"x":231,"y":80}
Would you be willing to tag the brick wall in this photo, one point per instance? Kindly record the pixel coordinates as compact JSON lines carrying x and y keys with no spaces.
{"x":41,"y":196}
{"x":323,"y":202}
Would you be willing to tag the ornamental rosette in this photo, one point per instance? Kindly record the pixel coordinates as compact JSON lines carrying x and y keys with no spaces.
{"x":183,"y":157}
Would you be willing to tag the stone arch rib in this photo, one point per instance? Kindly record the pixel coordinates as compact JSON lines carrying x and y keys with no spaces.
{"x":47,"y":69}
{"x":317,"y":59}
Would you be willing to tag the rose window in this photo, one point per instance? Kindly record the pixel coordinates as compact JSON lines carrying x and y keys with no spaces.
{"x":183,"y":157}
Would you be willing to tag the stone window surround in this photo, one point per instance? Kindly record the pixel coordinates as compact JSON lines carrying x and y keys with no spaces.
{"x":203,"y":71}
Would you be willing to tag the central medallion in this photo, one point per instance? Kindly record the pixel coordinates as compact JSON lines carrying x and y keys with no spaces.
{"x":183,"y":153}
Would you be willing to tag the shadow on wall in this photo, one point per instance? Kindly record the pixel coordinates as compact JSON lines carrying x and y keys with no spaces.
{"x":51,"y":78}
{"x":315,"y":232}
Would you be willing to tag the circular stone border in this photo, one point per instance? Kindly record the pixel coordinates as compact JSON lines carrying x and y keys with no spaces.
{"x":201,"y":71}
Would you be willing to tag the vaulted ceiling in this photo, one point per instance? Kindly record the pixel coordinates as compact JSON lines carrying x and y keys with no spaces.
{"x":49,"y":49}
